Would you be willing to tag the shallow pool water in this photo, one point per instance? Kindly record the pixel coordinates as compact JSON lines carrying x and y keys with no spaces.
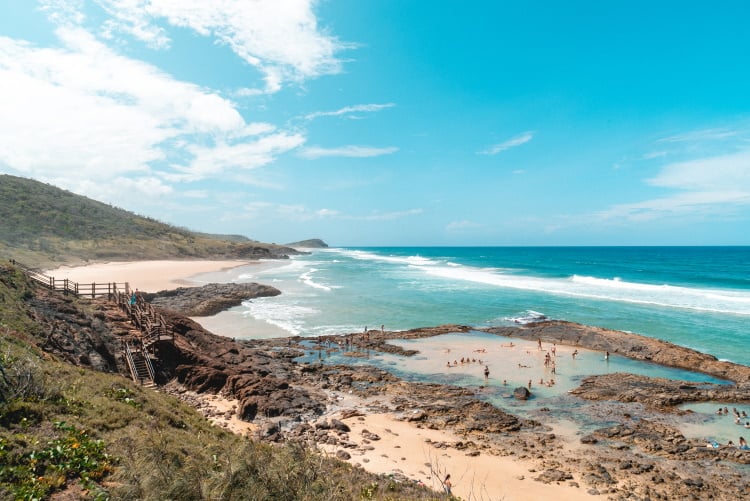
{"x":513,"y":363}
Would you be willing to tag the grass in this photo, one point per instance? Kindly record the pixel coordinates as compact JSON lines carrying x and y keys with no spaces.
{"x":44,"y":226}
{"x":111,"y":439}
{"x":70,"y":431}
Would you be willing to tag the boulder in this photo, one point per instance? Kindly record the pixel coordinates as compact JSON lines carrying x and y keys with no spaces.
{"x":521,"y":393}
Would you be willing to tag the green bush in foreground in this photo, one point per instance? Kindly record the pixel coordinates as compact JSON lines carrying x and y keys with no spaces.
{"x":30,"y":470}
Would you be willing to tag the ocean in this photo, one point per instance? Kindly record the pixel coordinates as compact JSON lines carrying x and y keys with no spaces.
{"x":697,"y":297}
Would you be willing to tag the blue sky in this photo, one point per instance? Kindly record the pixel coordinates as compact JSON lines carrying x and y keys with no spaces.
{"x":390,"y":122}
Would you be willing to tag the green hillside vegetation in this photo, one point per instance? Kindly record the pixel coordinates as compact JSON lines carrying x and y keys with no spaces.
{"x":43,"y":226}
{"x":80,"y":434}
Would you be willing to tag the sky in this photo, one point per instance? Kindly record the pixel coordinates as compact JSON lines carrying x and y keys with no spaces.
{"x":390,"y":122}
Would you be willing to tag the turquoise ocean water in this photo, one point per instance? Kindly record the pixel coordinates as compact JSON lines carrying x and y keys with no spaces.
{"x":697,"y":297}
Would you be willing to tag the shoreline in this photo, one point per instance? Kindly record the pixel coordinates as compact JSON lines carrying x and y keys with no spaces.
{"x":553,"y":462}
{"x":147,"y":276}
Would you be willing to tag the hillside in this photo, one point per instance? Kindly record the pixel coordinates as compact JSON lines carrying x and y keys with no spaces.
{"x":42,"y":225}
{"x":73,"y":427}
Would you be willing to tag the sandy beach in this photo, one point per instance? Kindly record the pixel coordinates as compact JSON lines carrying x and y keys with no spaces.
{"x":383,"y":440}
{"x":148,"y":276}
{"x":388,"y":445}
{"x":402,"y":447}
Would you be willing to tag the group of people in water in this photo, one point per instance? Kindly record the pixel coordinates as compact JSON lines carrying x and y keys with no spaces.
{"x":740,"y":418}
{"x":549,"y":362}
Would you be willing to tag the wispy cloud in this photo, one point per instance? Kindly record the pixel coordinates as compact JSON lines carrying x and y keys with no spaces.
{"x":301,"y":213}
{"x":701,"y":135}
{"x":510,"y":143}
{"x":654,"y":154}
{"x":352,"y":151}
{"x":388,"y":216}
{"x":458,"y":226}
{"x":280,"y":38}
{"x":348,"y":110}
{"x":704,"y":186}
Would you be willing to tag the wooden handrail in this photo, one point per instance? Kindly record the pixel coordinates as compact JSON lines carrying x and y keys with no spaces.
{"x":67,"y":286}
{"x":150,"y":323}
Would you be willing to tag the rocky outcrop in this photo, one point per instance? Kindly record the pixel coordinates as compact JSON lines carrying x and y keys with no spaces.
{"x":209,"y":299}
{"x":312,"y":243}
{"x":657,"y":392}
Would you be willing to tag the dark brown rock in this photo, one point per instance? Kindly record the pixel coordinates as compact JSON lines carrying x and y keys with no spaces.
{"x":521,"y":393}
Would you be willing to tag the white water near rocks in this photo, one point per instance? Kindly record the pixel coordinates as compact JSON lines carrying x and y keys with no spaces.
{"x":695,"y":297}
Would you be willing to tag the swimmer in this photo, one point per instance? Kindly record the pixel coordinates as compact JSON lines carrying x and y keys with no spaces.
{"x":575,"y":353}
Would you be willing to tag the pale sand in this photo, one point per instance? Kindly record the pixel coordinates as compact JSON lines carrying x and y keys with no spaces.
{"x":148,"y":276}
{"x":407,"y":449}
{"x":403,"y":447}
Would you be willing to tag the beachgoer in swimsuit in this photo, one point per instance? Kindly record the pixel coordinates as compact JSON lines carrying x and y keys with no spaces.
{"x":486,"y":372}
{"x":447,"y":484}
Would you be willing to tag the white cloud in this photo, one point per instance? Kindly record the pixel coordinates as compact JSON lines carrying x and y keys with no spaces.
{"x":83,"y":112}
{"x":701,"y":135}
{"x":209,"y":161}
{"x":510,"y":143}
{"x":724,"y":172}
{"x":279,"y":37}
{"x":706,"y":186}
{"x":348,"y":110}
{"x":314,"y":152}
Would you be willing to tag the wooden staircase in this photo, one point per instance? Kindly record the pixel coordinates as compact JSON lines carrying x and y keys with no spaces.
{"x":150,"y":326}
{"x":139,"y":362}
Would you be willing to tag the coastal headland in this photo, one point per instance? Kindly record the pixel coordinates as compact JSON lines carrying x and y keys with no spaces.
{"x":418,"y":431}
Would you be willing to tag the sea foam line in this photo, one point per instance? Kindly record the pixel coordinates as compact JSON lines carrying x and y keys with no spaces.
{"x":608,"y":289}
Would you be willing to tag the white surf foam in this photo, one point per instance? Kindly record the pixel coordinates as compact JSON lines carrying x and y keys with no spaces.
{"x":289,"y":317}
{"x":735,"y":302}
{"x":306,"y":278}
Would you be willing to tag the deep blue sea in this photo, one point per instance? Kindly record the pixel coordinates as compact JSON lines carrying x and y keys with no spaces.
{"x":697,"y":297}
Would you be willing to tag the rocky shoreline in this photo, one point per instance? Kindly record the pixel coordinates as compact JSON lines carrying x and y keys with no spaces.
{"x":640,"y":456}
{"x":209,"y":299}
